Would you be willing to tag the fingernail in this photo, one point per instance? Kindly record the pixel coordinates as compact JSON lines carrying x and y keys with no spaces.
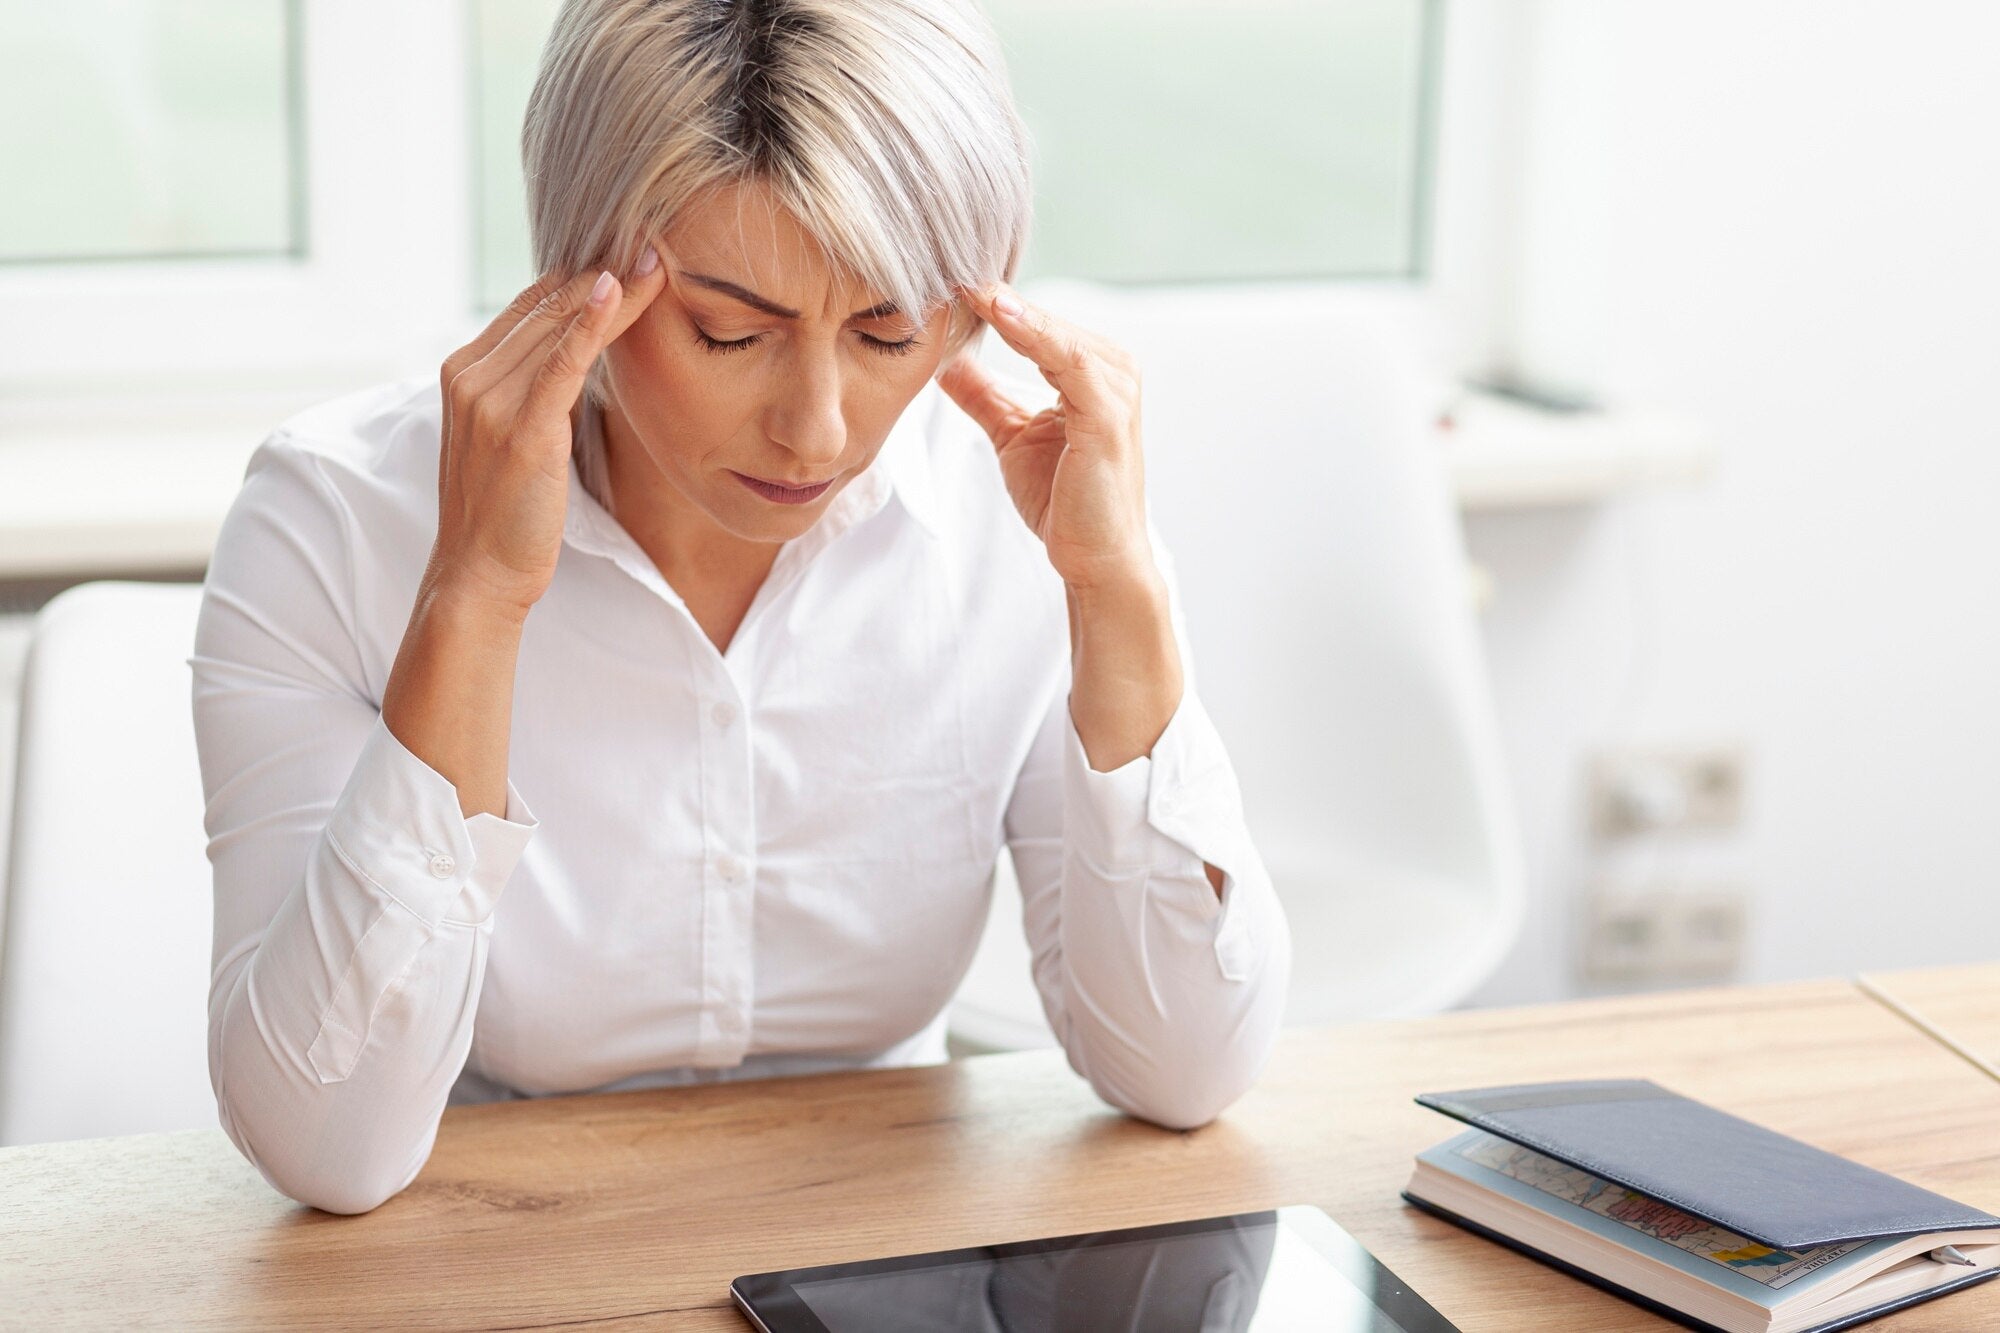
{"x":647,"y":263}
{"x":1006,"y":303}
{"x":602,"y":291}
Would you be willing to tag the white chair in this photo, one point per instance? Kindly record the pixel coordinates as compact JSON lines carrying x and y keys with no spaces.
{"x":105,"y":954}
{"x":1292,"y":476}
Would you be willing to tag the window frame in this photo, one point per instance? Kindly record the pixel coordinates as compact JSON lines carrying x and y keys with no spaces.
{"x":380,"y":291}
{"x":383,"y":135}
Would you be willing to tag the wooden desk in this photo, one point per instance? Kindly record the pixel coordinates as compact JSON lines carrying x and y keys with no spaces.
{"x":634,"y":1210}
{"x":1960,"y":1006}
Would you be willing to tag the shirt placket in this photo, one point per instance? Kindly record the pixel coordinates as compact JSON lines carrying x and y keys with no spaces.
{"x":728,"y":792}
{"x":729,"y":867}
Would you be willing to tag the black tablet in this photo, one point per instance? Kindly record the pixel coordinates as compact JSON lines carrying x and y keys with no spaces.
{"x":1278,"y":1271}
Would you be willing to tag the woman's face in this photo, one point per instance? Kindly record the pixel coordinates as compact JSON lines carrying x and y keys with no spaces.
{"x":760,"y":363}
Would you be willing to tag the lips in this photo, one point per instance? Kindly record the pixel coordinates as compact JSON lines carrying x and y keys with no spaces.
{"x":782,"y":493}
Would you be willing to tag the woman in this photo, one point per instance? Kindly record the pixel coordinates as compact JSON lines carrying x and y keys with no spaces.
{"x":780,"y":615}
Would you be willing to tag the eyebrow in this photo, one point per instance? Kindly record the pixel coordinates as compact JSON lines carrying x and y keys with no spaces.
{"x":770,"y":307}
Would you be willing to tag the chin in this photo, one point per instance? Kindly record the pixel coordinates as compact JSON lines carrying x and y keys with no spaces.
{"x":758,"y":520}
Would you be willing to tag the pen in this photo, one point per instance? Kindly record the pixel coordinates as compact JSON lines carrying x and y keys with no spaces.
{"x":1949,"y":1254}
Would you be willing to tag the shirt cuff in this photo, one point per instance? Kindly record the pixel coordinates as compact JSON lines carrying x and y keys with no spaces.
{"x":398,"y":824}
{"x":1165,"y":812}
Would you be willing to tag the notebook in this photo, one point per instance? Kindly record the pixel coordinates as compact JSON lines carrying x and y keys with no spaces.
{"x":1696,"y":1214}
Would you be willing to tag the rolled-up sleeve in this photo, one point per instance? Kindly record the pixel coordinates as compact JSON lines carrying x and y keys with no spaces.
{"x":1166,"y":998}
{"x":353,"y":899}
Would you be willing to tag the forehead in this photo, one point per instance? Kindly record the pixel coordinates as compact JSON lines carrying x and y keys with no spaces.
{"x":742,"y":233}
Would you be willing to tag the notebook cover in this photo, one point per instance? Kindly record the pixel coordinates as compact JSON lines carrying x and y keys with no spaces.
{"x":1667,"y":1311}
{"x":1763,"y":1185}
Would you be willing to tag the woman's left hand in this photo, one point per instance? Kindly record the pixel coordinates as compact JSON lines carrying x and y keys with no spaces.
{"x":1074,"y":470}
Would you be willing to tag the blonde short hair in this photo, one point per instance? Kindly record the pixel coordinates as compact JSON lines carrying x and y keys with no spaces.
{"x":885,"y":126}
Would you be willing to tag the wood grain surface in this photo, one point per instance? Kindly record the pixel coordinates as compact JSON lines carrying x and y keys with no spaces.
{"x":1960,"y":1006}
{"x":634,"y":1210}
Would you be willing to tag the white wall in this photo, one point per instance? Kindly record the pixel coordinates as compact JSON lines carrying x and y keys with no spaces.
{"x":1781,"y":218}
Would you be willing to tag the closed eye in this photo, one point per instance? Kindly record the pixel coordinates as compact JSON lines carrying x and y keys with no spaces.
{"x":722,"y":345}
{"x":885,"y":346}
{"x":902,"y":348}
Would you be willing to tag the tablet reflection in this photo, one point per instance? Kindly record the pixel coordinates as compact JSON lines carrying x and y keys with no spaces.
{"x":1252,"y":1277}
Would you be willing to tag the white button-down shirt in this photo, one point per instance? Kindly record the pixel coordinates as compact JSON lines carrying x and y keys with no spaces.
{"x":774,"y":859}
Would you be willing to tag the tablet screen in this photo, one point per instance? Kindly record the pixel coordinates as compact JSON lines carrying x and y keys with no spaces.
{"x":1268,"y":1272}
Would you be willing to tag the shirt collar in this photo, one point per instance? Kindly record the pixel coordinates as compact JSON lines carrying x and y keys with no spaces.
{"x":588,"y":526}
{"x":905,"y":459}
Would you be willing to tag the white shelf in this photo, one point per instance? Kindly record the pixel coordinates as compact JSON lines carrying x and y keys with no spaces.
{"x":75,"y":504}
{"x":1505,"y":455}
{"x":136,"y":482}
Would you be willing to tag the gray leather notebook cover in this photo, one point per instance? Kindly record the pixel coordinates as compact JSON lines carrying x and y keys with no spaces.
{"x":1760,"y":1184}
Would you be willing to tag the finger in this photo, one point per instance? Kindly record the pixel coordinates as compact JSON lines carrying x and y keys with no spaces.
{"x":647,"y":281}
{"x":490,"y":336}
{"x":559,"y":376}
{"x":550,"y":316}
{"x":529,"y":343}
{"x":516,"y":310}
{"x":968,"y":384}
{"x":627,"y":302}
{"x":1064,"y":354}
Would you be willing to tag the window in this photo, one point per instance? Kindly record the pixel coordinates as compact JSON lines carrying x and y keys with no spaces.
{"x":1175,"y":140}
{"x":311,"y":193}
{"x":151,"y":129}
{"x":507,"y":38}
{"x":1185,"y":140}
{"x":283,"y":184}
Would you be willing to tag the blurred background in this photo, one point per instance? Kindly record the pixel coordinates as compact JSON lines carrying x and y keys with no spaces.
{"x":1697,"y":300}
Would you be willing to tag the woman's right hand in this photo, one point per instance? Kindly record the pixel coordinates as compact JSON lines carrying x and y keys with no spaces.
{"x":504,"y":455}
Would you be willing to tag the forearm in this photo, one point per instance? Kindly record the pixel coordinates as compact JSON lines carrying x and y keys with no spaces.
{"x":1125,"y":672}
{"x":1125,"y":669}
{"x":1166,"y":1021}
{"x":381,"y":951}
{"x":450,"y":694}
{"x":342,"y":1144}
{"x":1166,"y":995}
{"x":338,"y":1025}
{"x":1164,"y":977}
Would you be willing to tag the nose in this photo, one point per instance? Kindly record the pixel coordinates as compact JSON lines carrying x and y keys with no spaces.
{"x":806,"y":416}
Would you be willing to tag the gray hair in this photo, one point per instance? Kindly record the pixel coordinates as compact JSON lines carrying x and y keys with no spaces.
{"x":885,"y":126}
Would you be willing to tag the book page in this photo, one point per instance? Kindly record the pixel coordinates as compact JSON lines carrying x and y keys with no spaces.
{"x":1650,"y":1217}
{"x":1610,"y":1215}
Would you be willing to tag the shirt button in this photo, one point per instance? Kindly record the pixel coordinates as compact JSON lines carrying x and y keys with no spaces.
{"x":442,"y":865}
{"x":722,"y":714}
{"x":730,"y":868}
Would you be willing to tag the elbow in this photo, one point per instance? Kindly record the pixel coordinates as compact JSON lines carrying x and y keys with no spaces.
{"x":1176,"y":1094}
{"x":1178,"y":1109}
{"x":332,"y":1188}
{"x":1207,"y":1072}
{"x":312,"y":1142}
{"x":345,"y":1195}
{"x":332,"y":1182}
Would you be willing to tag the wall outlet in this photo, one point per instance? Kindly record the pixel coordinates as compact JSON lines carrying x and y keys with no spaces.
{"x":1638,"y":791}
{"x":1665,"y":933}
